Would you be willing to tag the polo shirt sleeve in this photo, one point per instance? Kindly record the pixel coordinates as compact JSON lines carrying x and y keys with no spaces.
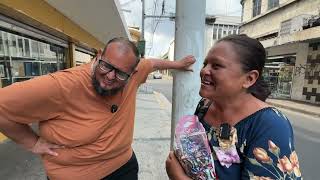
{"x":143,"y":70}
{"x":34,"y":100}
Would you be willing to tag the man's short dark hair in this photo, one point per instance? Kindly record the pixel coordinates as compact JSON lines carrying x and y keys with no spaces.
{"x":127,"y":43}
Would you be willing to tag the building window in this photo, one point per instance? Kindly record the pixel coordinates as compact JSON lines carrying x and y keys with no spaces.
{"x":273,"y":3}
{"x":219,"y":33}
{"x":35,"y":49}
{"x":27,"y":47}
{"x":2,"y":53}
{"x":234,"y":31}
{"x":27,"y":58}
{"x":20,"y":47}
{"x":215,"y":32}
{"x":12,"y":45}
{"x":285,"y":27}
{"x":256,"y":8}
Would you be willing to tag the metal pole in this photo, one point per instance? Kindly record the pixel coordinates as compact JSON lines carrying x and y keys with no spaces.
{"x":142,"y":42}
{"x":142,"y":21}
{"x":189,"y":39}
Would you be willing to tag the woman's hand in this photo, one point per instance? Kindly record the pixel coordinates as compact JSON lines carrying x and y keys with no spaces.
{"x":174,"y":169}
{"x":44,"y":147}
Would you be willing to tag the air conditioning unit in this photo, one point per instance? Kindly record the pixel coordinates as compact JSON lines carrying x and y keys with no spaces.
{"x":298,"y":22}
{"x":312,"y":21}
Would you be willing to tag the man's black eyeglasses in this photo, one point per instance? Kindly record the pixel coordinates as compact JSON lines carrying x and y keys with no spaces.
{"x":107,"y":67}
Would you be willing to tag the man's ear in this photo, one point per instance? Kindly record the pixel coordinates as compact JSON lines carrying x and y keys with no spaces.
{"x":98,"y":55}
{"x":251,"y":78}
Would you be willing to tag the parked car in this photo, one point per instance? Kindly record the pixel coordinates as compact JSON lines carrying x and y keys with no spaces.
{"x":157,"y":75}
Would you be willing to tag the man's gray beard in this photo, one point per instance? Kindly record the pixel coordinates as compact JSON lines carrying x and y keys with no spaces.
{"x":103,"y":92}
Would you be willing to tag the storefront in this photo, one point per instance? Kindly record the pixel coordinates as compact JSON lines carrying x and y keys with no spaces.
{"x":23,"y":57}
{"x":26,"y":52}
{"x":278,"y":73}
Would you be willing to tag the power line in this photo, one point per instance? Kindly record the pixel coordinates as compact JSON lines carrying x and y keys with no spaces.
{"x":156,"y":21}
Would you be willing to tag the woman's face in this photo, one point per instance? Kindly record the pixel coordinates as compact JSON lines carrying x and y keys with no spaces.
{"x":221,"y":75}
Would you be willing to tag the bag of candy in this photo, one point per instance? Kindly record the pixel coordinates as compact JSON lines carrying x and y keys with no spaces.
{"x":192,"y":149}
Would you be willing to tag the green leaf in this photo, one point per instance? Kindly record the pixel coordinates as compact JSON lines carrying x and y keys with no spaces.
{"x":254,"y":162}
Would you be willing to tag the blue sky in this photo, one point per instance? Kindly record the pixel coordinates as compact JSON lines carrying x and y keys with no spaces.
{"x":159,"y":33}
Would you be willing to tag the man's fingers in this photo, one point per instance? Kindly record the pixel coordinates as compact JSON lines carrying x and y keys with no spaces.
{"x":55,"y":146}
{"x":52,"y":153}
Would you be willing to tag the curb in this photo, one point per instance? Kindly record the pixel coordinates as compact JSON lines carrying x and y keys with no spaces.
{"x":163,"y":101}
{"x":167,"y":77}
{"x":294,"y":109}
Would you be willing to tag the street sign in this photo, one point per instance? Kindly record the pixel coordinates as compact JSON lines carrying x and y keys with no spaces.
{"x":141,"y":47}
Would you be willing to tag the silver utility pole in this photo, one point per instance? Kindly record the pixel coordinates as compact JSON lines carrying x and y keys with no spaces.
{"x":142,"y":42}
{"x":189,"y":39}
{"x":142,"y":21}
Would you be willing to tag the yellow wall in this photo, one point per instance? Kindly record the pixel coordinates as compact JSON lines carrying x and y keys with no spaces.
{"x":40,"y":13}
{"x":135,"y":34}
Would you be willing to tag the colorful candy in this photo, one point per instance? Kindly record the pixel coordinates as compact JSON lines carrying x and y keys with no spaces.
{"x":192,"y":149}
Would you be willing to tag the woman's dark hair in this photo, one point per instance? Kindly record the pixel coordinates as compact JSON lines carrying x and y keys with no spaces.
{"x":252,"y":56}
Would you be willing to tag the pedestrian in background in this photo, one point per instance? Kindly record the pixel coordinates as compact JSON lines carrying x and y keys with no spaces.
{"x":249,"y":138}
{"x":85,"y":114}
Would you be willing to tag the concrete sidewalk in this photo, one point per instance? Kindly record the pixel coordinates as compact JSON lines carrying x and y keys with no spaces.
{"x":305,"y":108}
{"x":152,"y":135}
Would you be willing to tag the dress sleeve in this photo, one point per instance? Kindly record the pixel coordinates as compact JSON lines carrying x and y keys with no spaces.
{"x":31,"y":101}
{"x":270,"y":152}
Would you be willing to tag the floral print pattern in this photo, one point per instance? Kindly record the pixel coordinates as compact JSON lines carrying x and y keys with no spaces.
{"x":285,"y":168}
{"x":264,"y":145}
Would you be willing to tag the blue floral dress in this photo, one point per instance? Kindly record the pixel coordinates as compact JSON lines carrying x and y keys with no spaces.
{"x":264,"y":147}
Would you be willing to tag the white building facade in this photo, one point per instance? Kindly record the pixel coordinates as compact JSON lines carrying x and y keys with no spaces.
{"x":221,"y":27}
{"x":217,"y":27}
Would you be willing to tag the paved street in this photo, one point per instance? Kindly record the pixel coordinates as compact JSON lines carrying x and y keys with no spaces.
{"x":306,"y":130}
{"x":163,"y":86}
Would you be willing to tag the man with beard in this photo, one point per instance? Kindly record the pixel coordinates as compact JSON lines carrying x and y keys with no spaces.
{"x":85,"y":114}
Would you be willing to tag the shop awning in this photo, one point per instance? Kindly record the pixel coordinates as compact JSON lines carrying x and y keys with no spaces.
{"x":101,"y":18}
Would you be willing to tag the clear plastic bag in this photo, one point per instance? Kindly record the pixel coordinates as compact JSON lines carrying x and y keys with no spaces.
{"x":192,"y":149}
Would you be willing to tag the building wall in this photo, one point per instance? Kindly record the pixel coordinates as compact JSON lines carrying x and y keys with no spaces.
{"x":283,"y":49}
{"x":274,"y":17}
{"x":82,"y":58}
{"x":298,"y":76}
{"x":297,"y":42}
{"x":311,"y":87}
{"x":247,"y":10}
{"x":208,"y":38}
{"x":248,"y":6}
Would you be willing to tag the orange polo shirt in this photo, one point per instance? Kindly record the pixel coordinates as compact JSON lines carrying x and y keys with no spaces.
{"x":71,"y":113}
